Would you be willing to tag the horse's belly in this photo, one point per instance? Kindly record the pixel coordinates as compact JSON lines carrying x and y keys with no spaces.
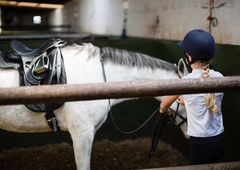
{"x":18,"y":118}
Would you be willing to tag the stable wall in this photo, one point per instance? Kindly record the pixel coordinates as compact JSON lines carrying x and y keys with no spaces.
{"x":157,"y":19}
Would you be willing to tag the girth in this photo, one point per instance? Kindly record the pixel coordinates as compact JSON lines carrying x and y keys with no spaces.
{"x":41,"y":66}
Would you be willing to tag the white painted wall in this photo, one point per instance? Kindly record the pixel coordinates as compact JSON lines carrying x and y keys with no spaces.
{"x":175,"y":18}
{"x":0,"y":20}
{"x":57,"y":18}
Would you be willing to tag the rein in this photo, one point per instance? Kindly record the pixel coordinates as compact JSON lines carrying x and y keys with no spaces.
{"x":110,"y":105}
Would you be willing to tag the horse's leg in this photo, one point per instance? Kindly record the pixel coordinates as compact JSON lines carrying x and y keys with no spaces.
{"x":82,"y":120}
{"x":82,"y":138}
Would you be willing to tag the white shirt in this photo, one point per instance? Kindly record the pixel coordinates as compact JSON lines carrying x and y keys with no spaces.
{"x":201,"y":122}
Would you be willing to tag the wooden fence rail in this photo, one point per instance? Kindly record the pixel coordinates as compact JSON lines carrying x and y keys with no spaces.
{"x":129,"y":89}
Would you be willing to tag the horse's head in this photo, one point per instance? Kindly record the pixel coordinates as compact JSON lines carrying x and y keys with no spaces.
{"x":179,"y":117}
{"x":178,"y":111}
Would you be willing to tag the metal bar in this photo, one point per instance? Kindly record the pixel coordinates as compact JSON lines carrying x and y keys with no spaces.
{"x":113,"y":90}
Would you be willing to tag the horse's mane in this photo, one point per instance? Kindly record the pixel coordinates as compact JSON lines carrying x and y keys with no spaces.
{"x":129,"y":58}
{"x":124,"y":57}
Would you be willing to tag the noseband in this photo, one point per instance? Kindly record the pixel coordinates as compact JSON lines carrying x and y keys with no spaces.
{"x":173,"y":116}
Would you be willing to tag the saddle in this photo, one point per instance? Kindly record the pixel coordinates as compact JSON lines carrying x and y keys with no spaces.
{"x":40,"y":66}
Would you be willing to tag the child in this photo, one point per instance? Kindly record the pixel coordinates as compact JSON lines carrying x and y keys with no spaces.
{"x":204,"y":114}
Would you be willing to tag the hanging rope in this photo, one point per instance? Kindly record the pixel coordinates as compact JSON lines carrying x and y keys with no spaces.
{"x":213,"y":21}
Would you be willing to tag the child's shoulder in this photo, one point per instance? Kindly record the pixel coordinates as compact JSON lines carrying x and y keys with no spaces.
{"x":214,"y":73}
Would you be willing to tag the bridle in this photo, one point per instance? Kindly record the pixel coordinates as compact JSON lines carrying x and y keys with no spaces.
{"x":173,"y":116}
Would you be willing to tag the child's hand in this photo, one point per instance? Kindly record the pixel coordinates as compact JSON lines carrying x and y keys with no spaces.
{"x":180,"y":100}
{"x":165,"y":112}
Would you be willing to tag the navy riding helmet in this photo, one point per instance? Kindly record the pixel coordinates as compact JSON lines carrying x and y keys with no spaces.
{"x":199,"y":44}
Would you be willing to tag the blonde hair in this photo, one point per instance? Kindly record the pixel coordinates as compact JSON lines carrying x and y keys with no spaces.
{"x":209,"y":97}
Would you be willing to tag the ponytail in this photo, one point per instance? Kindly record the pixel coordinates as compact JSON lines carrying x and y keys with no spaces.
{"x":209,"y":97}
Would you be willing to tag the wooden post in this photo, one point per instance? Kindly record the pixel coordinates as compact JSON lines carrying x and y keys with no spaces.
{"x":113,"y":90}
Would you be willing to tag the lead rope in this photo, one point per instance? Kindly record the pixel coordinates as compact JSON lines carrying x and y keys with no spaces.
{"x":157,"y":129}
{"x":110,"y":105}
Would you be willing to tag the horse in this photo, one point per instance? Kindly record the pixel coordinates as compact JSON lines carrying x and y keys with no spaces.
{"x":84,"y":63}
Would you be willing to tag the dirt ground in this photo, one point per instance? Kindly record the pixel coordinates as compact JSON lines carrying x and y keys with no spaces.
{"x":106,"y":155}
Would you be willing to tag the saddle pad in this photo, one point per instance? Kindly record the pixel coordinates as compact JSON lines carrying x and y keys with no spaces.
{"x":5,"y":62}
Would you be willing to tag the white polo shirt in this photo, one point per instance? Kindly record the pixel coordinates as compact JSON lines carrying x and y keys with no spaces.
{"x":201,"y":122}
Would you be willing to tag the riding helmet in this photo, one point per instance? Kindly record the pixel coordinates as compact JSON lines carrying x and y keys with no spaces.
{"x":199,"y":44}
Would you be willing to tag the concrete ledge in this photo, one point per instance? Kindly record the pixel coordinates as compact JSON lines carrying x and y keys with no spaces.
{"x":44,"y":36}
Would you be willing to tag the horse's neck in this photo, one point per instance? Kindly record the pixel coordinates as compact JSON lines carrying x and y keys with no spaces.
{"x":122,"y":73}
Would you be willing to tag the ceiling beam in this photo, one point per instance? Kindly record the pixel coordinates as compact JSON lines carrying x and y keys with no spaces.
{"x":44,"y":1}
{"x":51,"y":4}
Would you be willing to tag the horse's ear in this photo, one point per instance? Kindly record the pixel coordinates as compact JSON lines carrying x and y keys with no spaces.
{"x":182,"y":68}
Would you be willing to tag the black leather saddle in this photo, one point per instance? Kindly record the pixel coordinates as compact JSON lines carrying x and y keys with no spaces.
{"x":41,"y":66}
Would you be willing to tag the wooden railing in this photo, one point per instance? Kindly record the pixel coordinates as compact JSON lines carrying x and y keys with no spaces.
{"x":113,"y":90}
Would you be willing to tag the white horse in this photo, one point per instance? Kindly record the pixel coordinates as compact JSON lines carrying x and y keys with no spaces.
{"x":83,"y":118}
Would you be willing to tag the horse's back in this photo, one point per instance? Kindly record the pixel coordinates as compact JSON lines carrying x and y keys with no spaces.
{"x":9,"y":78}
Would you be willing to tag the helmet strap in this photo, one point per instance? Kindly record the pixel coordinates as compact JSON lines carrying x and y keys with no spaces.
{"x":189,"y":63}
